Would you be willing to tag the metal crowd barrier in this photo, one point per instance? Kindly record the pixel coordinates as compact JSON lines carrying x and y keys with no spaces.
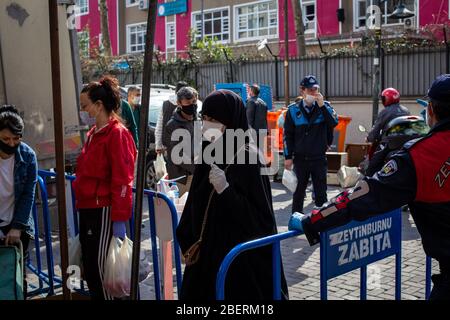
{"x":48,"y":282}
{"x":326,"y":272}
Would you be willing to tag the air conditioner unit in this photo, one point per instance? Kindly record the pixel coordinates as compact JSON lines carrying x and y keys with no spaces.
{"x":409,"y":23}
{"x":143,"y":4}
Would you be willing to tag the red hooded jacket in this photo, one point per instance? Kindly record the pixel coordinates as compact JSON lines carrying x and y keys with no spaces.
{"x":105,"y":171}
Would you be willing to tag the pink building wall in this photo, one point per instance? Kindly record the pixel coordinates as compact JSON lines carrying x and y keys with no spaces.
{"x":93,"y":21}
{"x":327,"y":22}
{"x":433,"y":12}
{"x":291,"y":26}
{"x":183,"y":23}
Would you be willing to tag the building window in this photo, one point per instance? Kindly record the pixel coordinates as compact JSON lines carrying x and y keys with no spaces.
{"x":309,"y":15}
{"x":216,"y":24}
{"x":132,"y":3}
{"x":170,"y":35}
{"x":136,"y":37}
{"x":256,"y":21}
{"x":82,"y":6}
{"x":360,"y":9}
{"x":83,"y":43}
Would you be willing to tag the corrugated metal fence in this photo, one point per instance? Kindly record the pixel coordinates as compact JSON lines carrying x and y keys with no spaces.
{"x":348,"y":75}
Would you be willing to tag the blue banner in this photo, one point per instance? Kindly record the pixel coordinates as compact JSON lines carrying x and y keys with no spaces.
{"x":171,"y":8}
{"x":358,"y":244}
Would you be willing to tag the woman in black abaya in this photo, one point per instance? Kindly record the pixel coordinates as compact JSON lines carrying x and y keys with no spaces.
{"x":240,"y":210}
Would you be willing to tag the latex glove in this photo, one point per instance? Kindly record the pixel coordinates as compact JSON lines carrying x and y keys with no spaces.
{"x":218,"y":179}
{"x":119,"y":229}
{"x":320,"y":100}
{"x":296,"y":222}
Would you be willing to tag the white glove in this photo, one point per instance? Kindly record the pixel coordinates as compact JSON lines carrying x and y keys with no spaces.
{"x":218,"y":179}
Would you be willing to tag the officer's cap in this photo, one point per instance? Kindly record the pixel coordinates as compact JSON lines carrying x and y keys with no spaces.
{"x":309,"y":82}
{"x":440,"y":88}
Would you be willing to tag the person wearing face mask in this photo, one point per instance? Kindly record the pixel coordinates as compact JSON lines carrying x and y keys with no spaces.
{"x":18,"y":178}
{"x":236,"y":201}
{"x":134,"y":100}
{"x":184,"y":118}
{"x":307,"y":136}
{"x":104,"y":180}
{"x":417,"y":175}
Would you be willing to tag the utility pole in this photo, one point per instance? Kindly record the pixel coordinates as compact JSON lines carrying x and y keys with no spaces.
{"x":286,"y":54}
{"x":374,"y":17}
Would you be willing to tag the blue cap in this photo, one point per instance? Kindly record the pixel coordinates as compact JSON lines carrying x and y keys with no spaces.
{"x":440,"y":88}
{"x":309,"y":82}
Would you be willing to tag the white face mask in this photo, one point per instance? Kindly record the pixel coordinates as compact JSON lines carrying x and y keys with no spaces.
{"x":136,"y":100}
{"x":309,"y":99}
{"x":212,"y":130}
{"x":87,"y":119}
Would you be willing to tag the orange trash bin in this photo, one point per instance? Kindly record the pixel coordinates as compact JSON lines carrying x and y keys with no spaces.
{"x":340,"y":131}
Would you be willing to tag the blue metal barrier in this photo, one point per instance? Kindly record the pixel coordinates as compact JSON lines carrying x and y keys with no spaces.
{"x":356,"y":245}
{"x":273,"y":240}
{"x":53,"y":282}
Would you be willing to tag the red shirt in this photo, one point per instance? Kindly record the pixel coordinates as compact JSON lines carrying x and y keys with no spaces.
{"x":105,"y":171}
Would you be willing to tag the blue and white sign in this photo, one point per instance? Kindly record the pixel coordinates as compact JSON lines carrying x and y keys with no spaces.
{"x":171,"y":8}
{"x":358,"y":244}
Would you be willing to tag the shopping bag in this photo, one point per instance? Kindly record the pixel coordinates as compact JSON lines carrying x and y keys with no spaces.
{"x":75,"y":252}
{"x":118,"y":268}
{"x":348,"y":176}
{"x":289,"y":180}
{"x":160,"y":166}
{"x":11,"y":275}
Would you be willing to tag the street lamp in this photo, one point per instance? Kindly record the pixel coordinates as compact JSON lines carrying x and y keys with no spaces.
{"x":374,"y":22}
{"x":261,"y":45}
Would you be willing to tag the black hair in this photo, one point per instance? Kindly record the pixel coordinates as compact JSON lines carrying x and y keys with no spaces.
{"x":441,"y":109}
{"x":11,"y":120}
{"x":106,"y":91}
{"x":180,"y":85}
{"x":255,"y":89}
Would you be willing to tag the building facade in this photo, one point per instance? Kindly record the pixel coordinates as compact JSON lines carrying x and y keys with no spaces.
{"x":242,"y":23}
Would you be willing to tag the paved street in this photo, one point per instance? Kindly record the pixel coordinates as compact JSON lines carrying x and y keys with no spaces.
{"x":301,"y":262}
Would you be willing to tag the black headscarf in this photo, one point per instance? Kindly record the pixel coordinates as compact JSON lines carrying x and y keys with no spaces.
{"x":226,"y":107}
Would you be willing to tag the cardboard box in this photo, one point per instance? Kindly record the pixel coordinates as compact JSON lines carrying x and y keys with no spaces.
{"x":336,"y":160}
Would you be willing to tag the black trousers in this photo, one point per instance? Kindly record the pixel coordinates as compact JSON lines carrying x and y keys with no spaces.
{"x":317,"y":170}
{"x":25,"y":239}
{"x":95,"y":238}
{"x":441,"y":287}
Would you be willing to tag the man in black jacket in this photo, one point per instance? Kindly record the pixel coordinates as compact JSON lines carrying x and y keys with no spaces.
{"x":306,"y":141}
{"x":184,"y":117}
{"x":418,"y":175}
{"x":256,"y":110}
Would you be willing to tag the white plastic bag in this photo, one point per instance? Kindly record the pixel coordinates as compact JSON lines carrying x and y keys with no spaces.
{"x":75,"y":252}
{"x":348,"y":176}
{"x":118,"y":268}
{"x":289,"y":180}
{"x":160,"y":167}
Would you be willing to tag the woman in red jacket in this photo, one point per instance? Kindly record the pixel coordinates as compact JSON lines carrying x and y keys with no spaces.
{"x":104,"y":179}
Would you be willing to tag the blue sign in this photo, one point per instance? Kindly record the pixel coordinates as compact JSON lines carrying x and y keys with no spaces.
{"x":171,"y":8}
{"x":358,"y":244}
{"x":242,"y":88}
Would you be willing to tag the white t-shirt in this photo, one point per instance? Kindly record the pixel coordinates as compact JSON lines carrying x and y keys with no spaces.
{"x":6,"y":191}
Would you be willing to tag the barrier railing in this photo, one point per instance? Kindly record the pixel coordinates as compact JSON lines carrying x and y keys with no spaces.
{"x":273,"y":240}
{"x":48,"y":281}
{"x":327,"y":271}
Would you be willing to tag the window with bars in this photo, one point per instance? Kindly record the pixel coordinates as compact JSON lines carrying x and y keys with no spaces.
{"x":256,"y":21}
{"x":309,"y":15}
{"x":136,"y":37}
{"x":170,"y":35}
{"x":82,"y":6}
{"x":216,"y":24}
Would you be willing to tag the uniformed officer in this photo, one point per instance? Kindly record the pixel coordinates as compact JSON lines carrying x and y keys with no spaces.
{"x":307,"y":129}
{"x":419,"y":175}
